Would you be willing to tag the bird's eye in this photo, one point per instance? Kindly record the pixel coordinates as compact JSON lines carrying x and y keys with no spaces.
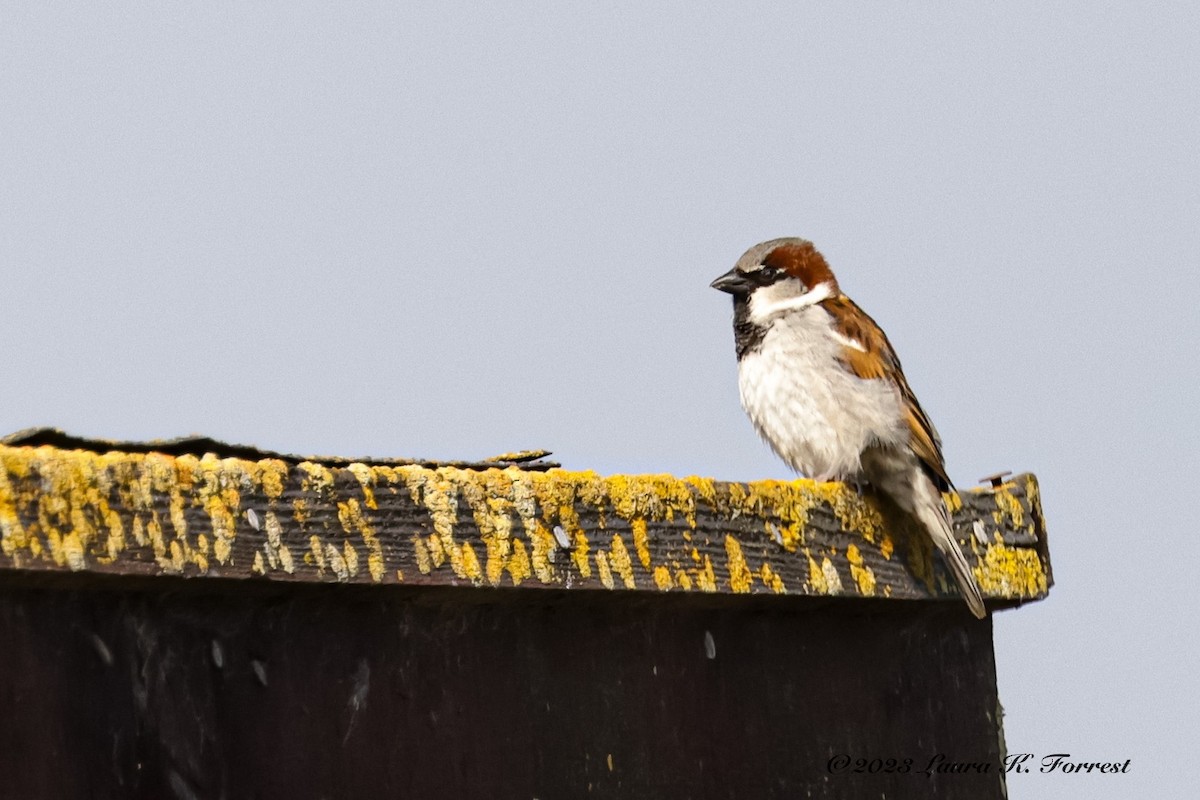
{"x":768,"y":275}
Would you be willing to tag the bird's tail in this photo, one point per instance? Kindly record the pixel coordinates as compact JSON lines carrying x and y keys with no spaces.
{"x":936,"y":520}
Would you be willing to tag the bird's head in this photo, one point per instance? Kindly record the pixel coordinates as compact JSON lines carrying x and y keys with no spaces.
{"x":778,"y":276}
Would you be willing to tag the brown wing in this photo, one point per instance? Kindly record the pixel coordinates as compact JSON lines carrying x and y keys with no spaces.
{"x":878,"y":361}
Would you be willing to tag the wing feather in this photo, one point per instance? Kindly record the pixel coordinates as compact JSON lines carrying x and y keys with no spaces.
{"x":868,"y":354}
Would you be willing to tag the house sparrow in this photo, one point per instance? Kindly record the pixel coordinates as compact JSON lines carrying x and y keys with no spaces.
{"x":822,"y":385}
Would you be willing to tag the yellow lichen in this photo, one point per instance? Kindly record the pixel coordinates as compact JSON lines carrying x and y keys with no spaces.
{"x":579,"y":554}
{"x":491,"y":507}
{"x":352,"y":519}
{"x":816,"y":576}
{"x":706,"y":579}
{"x":317,"y":549}
{"x":854,"y":512}
{"x":76,"y":509}
{"x":832,"y":580}
{"x":470,"y":563}
{"x":662,"y":577}
{"x":350,"y":556}
{"x":273,"y":546}
{"x":315,"y":478}
{"x":520,"y":455}
{"x":518,"y":564}
{"x":706,"y":488}
{"x":683,"y":579}
{"x":1008,"y":508}
{"x":657,"y":497}
{"x":641,"y":542}
{"x":337,"y":562}
{"x":286,"y":561}
{"x":544,"y":547}
{"x":1033,"y":495}
{"x":217,"y":482}
{"x":421,"y":553}
{"x":272,"y":475}
{"x":72,"y":550}
{"x":440,"y":496}
{"x":12,"y":533}
{"x":887,"y":546}
{"x":740,"y":577}
{"x":602,"y":569}
{"x":366,"y":481}
{"x":154,"y":533}
{"x":862,"y":574}
{"x":1011,"y":573}
{"x":437,"y":555}
{"x":177,"y":557}
{"x":771,"y":579}
{"x":785,"y":504}
{"x":621,"y":562}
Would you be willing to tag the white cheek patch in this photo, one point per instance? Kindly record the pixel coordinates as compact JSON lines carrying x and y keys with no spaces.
{"x":768,"y":302}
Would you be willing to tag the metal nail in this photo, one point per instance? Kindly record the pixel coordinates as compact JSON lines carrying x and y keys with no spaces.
{"x":996,"y":480}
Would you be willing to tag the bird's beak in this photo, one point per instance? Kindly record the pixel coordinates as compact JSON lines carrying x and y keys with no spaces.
{"x":733,"y":282}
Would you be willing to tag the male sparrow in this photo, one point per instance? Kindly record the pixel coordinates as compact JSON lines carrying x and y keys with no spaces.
{"x":822,"y":385}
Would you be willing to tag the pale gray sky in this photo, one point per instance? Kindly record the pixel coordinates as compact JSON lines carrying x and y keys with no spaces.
{"x":455,"y":231}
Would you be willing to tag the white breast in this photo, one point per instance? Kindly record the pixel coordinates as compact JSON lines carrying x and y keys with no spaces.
{"x":817,"y":416}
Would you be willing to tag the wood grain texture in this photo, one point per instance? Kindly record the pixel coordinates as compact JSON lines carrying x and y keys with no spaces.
{"x":223,"y":689}
{"x":152,"y":514}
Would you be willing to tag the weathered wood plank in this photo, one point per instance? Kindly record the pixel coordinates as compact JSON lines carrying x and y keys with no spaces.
{"x":150,"y":513}
{"x":637,"y":668}
{"x":197,"y":689}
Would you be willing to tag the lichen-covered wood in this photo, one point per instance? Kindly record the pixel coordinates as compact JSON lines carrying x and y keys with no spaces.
{"x":153,"y":513}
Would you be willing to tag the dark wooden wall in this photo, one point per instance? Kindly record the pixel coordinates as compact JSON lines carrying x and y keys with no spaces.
{"x":161,"y":688}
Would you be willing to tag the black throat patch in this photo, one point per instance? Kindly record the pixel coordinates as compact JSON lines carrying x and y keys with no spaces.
{"x":747,"y":336}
